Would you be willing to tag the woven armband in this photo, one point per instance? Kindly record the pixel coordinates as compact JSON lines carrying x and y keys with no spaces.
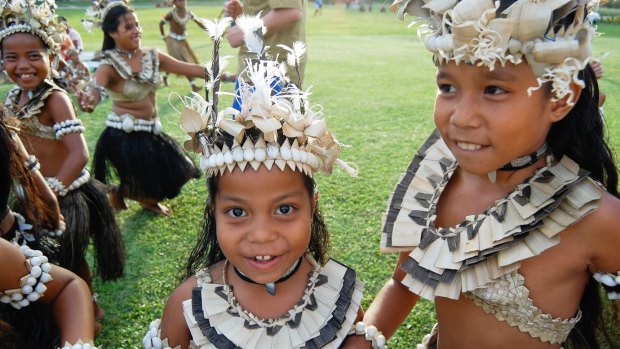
{"x":68,"y":126}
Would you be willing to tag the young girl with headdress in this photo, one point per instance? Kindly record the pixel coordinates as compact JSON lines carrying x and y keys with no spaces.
{"x":41,"y":306}
{"x":511,"y":206}
{"x":51,"y":132}
{"x":176,"y":40}
{"x":259,"y":276}
{"x":151,"y":166}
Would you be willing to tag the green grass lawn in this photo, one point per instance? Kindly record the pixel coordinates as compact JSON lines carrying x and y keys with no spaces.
{"x":375,"y":82}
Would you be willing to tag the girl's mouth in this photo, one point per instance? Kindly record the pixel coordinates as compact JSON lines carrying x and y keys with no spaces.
{"x":262,"y":258}
{"x":468,"y":146}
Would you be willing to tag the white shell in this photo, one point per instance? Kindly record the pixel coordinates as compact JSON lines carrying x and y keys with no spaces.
{"x":128,"y":125}
{"x":238,"y":154}
{"x":36,"y":272}
{"x":204,"y":162}
{"x":33,"y":297}
{"x":47,"y":267}
{"x":304,"y":156}
{"x":295,"y":154}
{"x":27,"y":289}
{"x":157,"y":127}
{"x":272,"y":151}
{"x":286,"y":153}
{"x":212,"y":160}
{"x":219,"y":159}
{"x":228,"y":158}
{"x":260,"y":154}
{"x":248,"y":155}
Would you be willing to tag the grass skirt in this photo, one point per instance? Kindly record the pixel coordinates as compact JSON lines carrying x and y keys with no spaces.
{"x":88,"y":214}
{"x":149,"y":166}
{"x":180,"y":50}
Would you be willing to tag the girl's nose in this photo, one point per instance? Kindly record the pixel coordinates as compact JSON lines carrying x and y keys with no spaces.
{"x":466,"y":113}
{"x":262,"y":231}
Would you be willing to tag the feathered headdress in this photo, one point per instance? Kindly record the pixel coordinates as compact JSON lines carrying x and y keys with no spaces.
{"x":28,"y":16}
{"x":97,"y":12}
{"x":276,"y":126}
{"x":553,"y":36}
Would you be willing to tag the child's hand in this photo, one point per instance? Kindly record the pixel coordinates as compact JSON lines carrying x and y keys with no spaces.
{"x":233,"y":8}
{"x":85,"y":101}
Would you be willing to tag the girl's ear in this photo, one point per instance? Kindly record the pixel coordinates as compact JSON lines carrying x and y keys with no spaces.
{"x":315,"y":201}
{"x":562,"y":107}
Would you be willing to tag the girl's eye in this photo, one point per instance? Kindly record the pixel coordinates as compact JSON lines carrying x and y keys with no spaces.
{"x":236,"y":212}
{"x":284,"y":209}
{"x":494,"y":90}
{"x":445,"y":88}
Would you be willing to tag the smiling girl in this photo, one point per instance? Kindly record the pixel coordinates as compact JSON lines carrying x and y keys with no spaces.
{"x":511,"y":207}
{"x":259,"y":275}
{"x":150,"y":164}
{"x":50,"y":131}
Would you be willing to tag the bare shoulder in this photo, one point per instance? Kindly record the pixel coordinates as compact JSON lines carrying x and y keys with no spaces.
{"x":59,"y":106}
{"x":173,"y":325}
{"x":181,"y":293}
{"x":601,"y":230}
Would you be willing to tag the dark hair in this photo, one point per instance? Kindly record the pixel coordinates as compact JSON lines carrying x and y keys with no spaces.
{"x":581,"y":136}
{"x":15,"y":178}
{"x":207,"y":251}
{"x":110,"y":24}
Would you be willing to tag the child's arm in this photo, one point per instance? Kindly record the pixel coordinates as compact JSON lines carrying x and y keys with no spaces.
{"x":162,"y":23}
{"x":67,"y":293}
{"x":173,"y":325}
{"x":172,"y":65}
{"x":390,"y":307}
{"x":602,"y":228}
{"x":60,"y":107}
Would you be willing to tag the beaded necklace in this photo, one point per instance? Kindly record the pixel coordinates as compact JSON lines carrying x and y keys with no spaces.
{"x":181,"y":20}
{"x":129,"y":54}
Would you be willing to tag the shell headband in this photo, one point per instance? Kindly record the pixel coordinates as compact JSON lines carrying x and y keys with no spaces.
{"x":26,"y":16}
{"x":276,"y":125}
{"x":553,"y":36}
{"x":97,"y":12}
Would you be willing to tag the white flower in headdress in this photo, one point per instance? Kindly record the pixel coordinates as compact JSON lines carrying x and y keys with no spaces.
{"x":195,"y":117}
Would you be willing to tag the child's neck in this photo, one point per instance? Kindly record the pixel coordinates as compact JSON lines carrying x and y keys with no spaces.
{"x":255,"y":299}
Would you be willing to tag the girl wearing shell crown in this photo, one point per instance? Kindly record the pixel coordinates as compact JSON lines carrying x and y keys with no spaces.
{"x":507,"y":216}
{"x":259,"y":276}
{"x":150,"y":164}
{"x":41,"y":306}
{"x":51,"y":132}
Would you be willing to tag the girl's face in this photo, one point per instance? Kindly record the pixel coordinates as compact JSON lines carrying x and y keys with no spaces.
{"x":179,"y":4}
{"x":128,"y":33}
{"x":26,"y":60}
{"x":487,"y":118}
{"x":263,"y":220}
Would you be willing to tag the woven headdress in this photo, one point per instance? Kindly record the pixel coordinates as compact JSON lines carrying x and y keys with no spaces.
{"x":97,"y":12}
{"x":29,"y":16}
{"x":553,"y":36}
{"x":276,"y":126}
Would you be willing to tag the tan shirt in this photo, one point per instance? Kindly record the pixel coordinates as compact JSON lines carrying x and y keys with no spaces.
{"x":296,"y":32}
